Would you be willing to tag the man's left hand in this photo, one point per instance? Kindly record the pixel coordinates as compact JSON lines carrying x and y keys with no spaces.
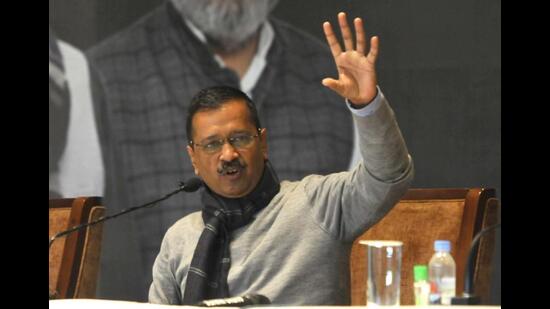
{"x":356,"y":71}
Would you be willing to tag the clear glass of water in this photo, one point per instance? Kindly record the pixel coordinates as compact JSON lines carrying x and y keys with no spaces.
{"x":383,"y":272}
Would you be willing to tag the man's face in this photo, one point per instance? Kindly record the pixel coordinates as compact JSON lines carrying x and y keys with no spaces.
{"x":228,"y":24}
{"x":232,"y":171}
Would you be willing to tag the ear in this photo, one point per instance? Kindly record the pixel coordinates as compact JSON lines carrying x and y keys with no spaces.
{"x":191,"y":153}
{"x":263,"y":142}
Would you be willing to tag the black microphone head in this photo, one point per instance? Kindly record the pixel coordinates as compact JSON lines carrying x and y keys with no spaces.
{"x":192,"y":184}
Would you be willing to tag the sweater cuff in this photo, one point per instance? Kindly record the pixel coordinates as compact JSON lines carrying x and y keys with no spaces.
{"x":369,"y":108}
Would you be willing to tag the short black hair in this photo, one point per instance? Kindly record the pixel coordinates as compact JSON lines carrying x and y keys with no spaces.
{"x":213,"y":98}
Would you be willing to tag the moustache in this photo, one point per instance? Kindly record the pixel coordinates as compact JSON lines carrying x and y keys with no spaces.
{"x":231,"y":166}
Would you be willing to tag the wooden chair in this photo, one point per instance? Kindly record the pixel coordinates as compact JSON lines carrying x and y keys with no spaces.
{"x":74,"y":259}
{"x":425,"y":215}
{"x":484,"y":269}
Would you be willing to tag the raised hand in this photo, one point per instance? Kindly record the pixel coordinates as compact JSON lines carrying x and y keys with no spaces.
{"x":356,"y":71}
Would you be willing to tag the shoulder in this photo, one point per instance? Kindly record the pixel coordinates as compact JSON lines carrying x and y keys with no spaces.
{"x":296,"y":39}
{"x":324,"y":186}
{"x":76,"y":68}
{"x":186,"y":230}
{"x":289,"y":192}
{"x":132,"y":38}
{"x":300,"y":54}
{"x":312,"y":185}
{"x":70,"y":53}
{"x":192,"y":221}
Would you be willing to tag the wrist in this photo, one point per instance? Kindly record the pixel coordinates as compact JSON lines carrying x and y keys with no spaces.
{"x":356,"y":105}
{"x":361,"y":105}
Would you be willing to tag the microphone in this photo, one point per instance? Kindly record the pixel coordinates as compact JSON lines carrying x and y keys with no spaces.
{"x":191,"y":185}
{"x":468,"y":297}
{"x":239,"y":301}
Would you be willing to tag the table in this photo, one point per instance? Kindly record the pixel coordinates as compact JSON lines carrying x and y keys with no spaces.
{"x":111,"y":304}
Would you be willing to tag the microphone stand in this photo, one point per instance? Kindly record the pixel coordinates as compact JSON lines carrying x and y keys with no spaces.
{"x":192,"y":185}
{"x":469,"y":297}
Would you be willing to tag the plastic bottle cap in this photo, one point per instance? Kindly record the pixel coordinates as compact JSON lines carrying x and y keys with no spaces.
{"x":420,"y":273}
{"x":442,"y":245}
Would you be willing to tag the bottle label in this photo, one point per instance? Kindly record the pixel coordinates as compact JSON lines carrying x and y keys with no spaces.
{"x":441,"y":291}
{"x":447,"y":289}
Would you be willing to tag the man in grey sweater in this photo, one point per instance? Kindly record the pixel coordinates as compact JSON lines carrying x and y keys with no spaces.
{"x":289,"y":241}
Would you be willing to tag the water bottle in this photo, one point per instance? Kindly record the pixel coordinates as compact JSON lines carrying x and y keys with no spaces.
{"x":442,"y":274}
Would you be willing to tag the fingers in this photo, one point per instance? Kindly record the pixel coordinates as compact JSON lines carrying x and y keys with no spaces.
{"x":373,"y":52}
{"x":331,"y":40}
{"x":332,"y":84}
{"x":359,"y":35}
{"x":346,"y":32}
{"x":347,"y":36}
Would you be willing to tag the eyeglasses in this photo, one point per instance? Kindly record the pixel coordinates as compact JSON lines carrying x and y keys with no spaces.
{"x":238,"y":141}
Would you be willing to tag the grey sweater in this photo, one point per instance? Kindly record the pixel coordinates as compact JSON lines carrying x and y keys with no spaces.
{"x":296,"y":250}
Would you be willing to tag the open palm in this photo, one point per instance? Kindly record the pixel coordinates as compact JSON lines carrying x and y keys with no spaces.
{"x":356,"y":71}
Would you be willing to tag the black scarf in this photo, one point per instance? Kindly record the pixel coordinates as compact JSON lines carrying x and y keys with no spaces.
{"x":207,"y":275}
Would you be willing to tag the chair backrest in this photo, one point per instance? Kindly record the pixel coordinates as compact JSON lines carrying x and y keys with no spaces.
{"x":484,"y":269}
{"x":74,"y":259}
{"x":420,"y":217}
